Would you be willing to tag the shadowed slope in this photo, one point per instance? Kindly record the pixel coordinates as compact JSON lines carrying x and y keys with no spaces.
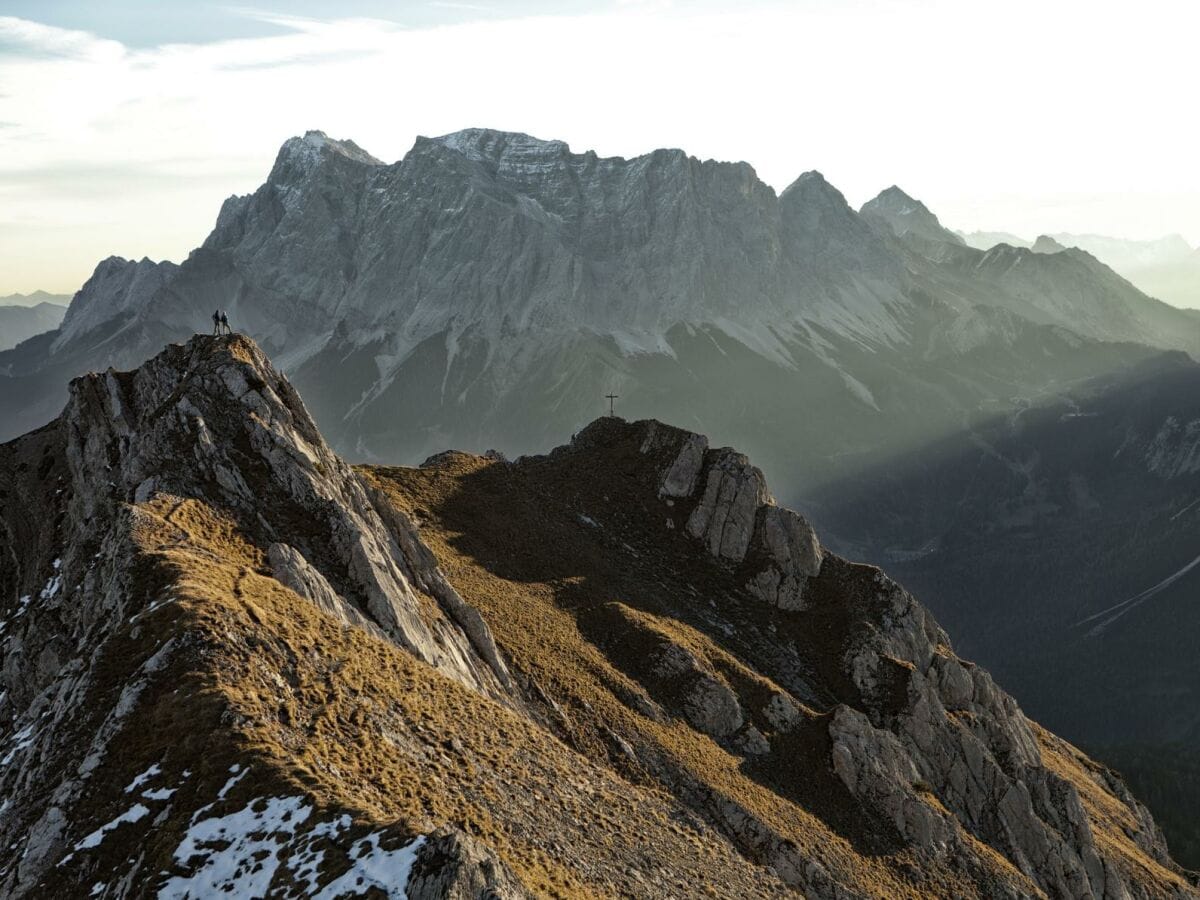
{"x":590,"y":565}
{"x":619,"y":670}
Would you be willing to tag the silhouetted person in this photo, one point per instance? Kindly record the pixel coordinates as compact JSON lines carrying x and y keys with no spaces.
{"x":225,"y":323}
{"x":216,"y":321}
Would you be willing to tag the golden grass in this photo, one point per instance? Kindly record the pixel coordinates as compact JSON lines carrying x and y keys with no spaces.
{"x":328,"y":710}
{"x":1112,"y":821}
{"x":317,"y":707}
{"x":549,"y":628}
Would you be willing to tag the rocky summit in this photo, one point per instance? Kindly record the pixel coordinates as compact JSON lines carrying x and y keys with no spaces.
{"x":233,"y":663}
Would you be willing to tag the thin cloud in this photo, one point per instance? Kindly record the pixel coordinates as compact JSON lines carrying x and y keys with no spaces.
{"x":22,"y":37}
{"x":921,"y":94}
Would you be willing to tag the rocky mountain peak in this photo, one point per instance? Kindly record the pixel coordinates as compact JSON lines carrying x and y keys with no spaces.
{"x":905,"y":215}
{"x":810,"y":186}
{"x":213,"y":421}
{"x":1047,"y":244}
{"x":117,"y":287}
{"x":489,"y":144}
{"x":299,"y":156}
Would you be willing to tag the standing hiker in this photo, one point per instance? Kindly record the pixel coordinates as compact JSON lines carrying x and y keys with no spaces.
{"x":225,"y":323}
{"x":216,"y":321}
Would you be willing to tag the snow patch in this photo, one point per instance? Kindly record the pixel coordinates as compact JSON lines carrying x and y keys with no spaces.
{"x":373,"y":867}
{"x":236,"y":854}
{"x":135,"y":813}
{"x":858,"y":389}
{"x":21,"y":741}
{"x":157,"y":604}
{"x":239,"y":774}
{"x":143,"y":778}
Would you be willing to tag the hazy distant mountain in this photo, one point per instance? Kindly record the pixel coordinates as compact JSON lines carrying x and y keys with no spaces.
{"x":17,"y":323}
{"x":986,"y":240}
{"x":1047,"y":244}
{"x":35,"y":298}
{"x":1124,"y":254}
{"x":1167,"y":268}
{"x":907,"y":217}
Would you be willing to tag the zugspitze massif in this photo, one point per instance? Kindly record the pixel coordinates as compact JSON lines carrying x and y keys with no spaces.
{"x":437,"y":631}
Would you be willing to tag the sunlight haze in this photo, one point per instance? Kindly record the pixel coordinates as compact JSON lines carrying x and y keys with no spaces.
{"x":122,"y":134}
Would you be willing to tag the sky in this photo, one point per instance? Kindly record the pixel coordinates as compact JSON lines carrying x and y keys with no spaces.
{"x":124,"y":124}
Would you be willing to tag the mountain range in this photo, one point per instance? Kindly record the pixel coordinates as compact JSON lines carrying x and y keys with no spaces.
{"x":20,"y":322}
{"x":234,"y":664}
{"x":35,"y":298}
{"x":1168,"y":268}
{"x":1014,"y":432}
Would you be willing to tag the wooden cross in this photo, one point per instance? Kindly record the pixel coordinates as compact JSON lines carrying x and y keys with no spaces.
{"x":611,"y":398}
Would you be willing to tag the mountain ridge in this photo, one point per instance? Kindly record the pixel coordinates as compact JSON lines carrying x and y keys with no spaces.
{"x":220,"y":604}
{"x":1167,"y":267}
{"x":574,"y":253}
{"x":20,"y":322}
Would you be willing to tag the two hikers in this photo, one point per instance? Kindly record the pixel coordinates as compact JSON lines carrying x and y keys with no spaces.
{"x":221,"y":322}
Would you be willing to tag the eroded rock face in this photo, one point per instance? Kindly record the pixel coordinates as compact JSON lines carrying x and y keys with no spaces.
{"x":971,"y":745}
{"x":929,"y":744}
{"x":875,"y":767}
{"x":452,"y":865}
{"x":735,"y":515}
{"x":706,"y":702}
{"x":724,"y":517}
{"x":680,"y":478}
{"x":212,"y":420}
{"x":292,"y":569}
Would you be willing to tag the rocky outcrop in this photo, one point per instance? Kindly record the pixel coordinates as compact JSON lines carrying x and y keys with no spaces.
{"x":212,"y":420}
{"x":875,"y":767}
{"x":735,"y":516}
{"x":451,"y":865}
{"x":924,"y":740}
{"x":929,"y":718}
{"x":724,"y":517}
{"x":970,"y":745}
{"x":291,"y":569}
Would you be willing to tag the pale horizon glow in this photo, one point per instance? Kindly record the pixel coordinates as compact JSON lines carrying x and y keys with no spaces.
{"x":1027,"y":118}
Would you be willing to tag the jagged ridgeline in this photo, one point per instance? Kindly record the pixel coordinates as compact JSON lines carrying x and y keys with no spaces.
{"x":234,"y":664}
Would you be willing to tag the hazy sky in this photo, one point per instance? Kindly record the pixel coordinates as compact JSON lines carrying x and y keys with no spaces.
{"x":124,"y":124}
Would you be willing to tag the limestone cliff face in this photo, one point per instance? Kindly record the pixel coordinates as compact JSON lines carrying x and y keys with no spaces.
{"x":120,"y":290}
{"x":213,"y":421}
{"x":233,"y":662}
{"x":211,"y":426}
